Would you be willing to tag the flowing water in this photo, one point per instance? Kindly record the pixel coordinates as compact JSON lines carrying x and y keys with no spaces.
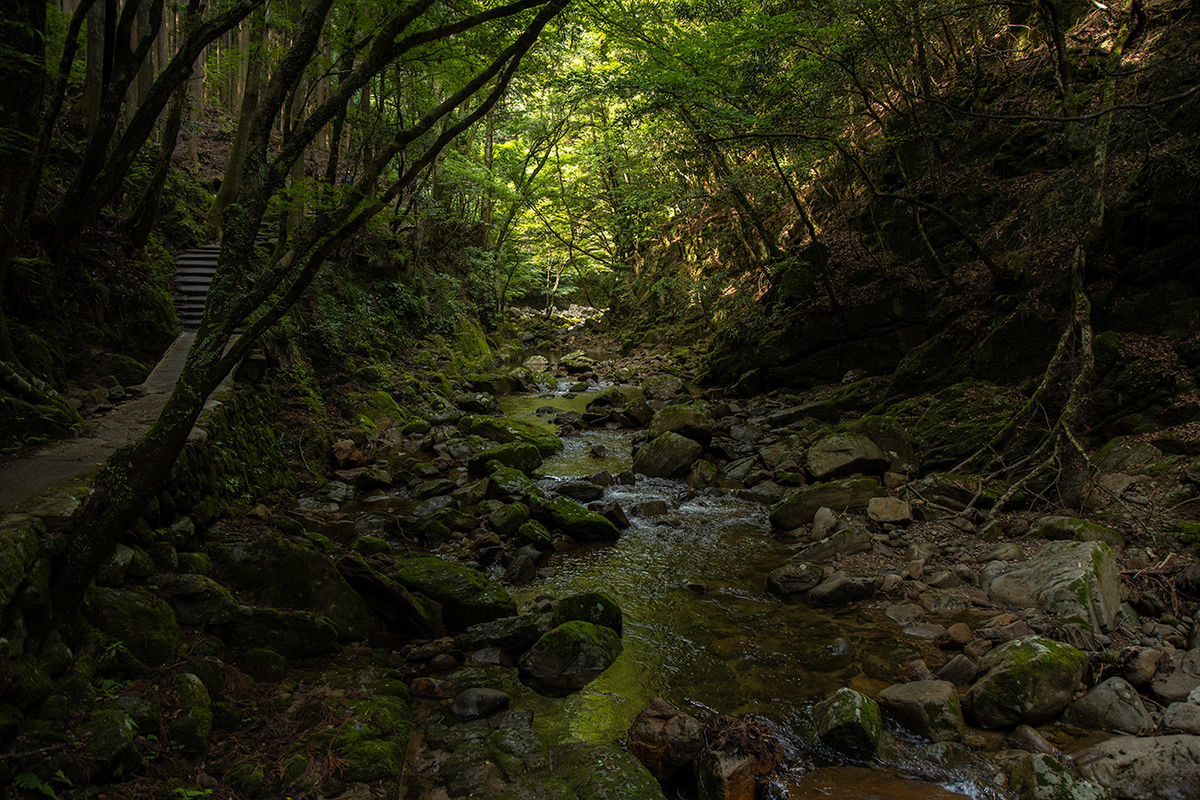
{"x":702,"y":631}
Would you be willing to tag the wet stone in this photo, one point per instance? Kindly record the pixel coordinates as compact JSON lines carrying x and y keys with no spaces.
{"x":478,"y":702}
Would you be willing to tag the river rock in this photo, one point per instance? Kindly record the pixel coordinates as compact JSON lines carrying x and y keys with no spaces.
{"x":687,"y":419}
{"x":1113,"y":705}
{"x":19,"y":538}
{"x":478,"y":702}
{"x":849,"y":722}
{"x":927,"y":708}
{"x":569,"y":657}
{"x":845,"y":542}
{"x":826,"y":522}
{"x":1078,"y":530}
{"x":1178,"y":674}
{"x":517,"y":455}
{"x":668,"y":456}
{"x":800,"y":507}
{"x":1182,"y":718}
{"x":512,"y":634}
{"x":662,"y":387}
{"x":794,"y":578}
{"x":1031,"y":680}
{"x":844,"y":454}
{"x":611,"y":397}
{"x":573,"y":520}
{"x":1040,"y":776}
{"x":143,"y":623}
{"x":664,"y":739}
{"x":889,"y":510}
{"x":1147,"y":768}
{"x":508,"y":484}
{"x":504,"y":430}
{"x":597,"y":608}
{"x":579,"y":491}
{"x":191,"y":726}
{"x":466,"y":595}
{"x":839,"y":589}
{"x":1079,"y":580}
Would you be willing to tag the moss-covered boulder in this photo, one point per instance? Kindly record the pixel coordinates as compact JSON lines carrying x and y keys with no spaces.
{"x":892,"y":440}
{"x":505,"y":430}
{"x":667,"y":456}
{"x":662,"y":387}
{"x":927,"y":708}
{"x":517,"y":455}
{"x":190,"y":727}
{"x":849,"y":722}
{"x":295,"y":634}
{"x":1028,"y":680}
{"x":574,"y":520}
{"x":466,"y":595}
{"x":512,"y":634}
{"x":611,"y":397}
{"x":569,"y":657}
{"x":508,"y":484}
{"x":145,"y":625}
{"x":687,"y":419}
{"x":1040,"y":776}
{"x":1077,"y":581}
{"x":198,"y":600}
{"x":795,"y":577}
{"x":534,"y":533}
{"x":597,"y":608}
{"x":293,"y":574}
{"x":411,"y":612}
{"x":1078,"y":530}
{"x":799,"y":507}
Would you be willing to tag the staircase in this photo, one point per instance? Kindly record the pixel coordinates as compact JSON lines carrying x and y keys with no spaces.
{"x":193,"y":275}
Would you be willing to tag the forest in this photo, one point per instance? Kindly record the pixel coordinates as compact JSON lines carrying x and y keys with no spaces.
{"x":718,"y":399}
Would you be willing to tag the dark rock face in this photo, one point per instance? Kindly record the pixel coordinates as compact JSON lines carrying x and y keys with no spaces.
{"x":664,"y":739}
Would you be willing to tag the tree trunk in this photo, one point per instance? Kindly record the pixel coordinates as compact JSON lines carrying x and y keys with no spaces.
{"x":23,"y":34}
{"x":144,"y":215}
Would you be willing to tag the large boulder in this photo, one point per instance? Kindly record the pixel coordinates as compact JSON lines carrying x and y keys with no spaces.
{"x":597,"y":608}
{"x":569,"y":657}
{"x":466,"y":595}
{"x":841,"y":454}
{"x":198,"y":600}
{"x":509,"y":484}
{"x":1113,"y":705}
{"x":145,"y":625}
{"x":294,"y":634}
{"x":844,"y":542}
{"x":802,"y":505}
{"x":290,"y":574}
{"x":1147,"y":768}
{"x":662,"y":387}
{"x":668,"y":456}
{"x":839,"y":589}
{"x":1072,"y":529}
{"x":513,"y":634}
{"x":517,"y":455}
{"x":664,"y":739}
{"x":1028,"y":680}
{"x":796,"y":577}
{"x":1079,"y":581}
{"x":574,"y":520}
{"x":504,"y":430}
{"x":687,"y":419}
{"x":849,"y":722}
{"x":927,"y":708}
{"x":19,"y":537}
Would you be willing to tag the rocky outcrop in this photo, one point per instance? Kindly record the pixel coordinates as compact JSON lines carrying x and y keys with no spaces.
{"x":1149,"y":768}
{"x":1079,"y":581}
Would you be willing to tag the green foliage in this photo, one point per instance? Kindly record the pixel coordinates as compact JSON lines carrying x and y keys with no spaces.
{"x":31,"y":782}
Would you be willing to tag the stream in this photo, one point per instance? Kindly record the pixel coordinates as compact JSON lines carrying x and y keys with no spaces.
{"x":702,"y":631}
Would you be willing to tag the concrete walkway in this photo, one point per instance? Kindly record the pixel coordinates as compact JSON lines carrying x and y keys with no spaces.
{"x":70,"y":460}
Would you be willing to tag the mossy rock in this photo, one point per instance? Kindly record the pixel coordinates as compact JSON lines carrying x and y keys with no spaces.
{"x":670,"y":455}
{"x":466,"y":595}
{"x":19,"y":545}
{"x":295,"y":634}
{"x":1078,"y":530}
{"x":686,"y":419}
{"x":1028,"y":680}
{"x":516,"y":455}
{"x":569,"y":657}
{"x":801,"y":506}
{"x":574,"y":520}
{"x":597,"y":608}
{"x":611,"y":397}
{"x":849,"y":722}
{"x":927,"y":708}
{"x":956,"y":422}
{"x":505,"y":430}
{"x":290,"y":574}
{"x":535,"y":533}
{"x":191,"y":726}
{"x":142,"y":623}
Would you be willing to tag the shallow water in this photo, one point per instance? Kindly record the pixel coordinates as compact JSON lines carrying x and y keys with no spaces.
{"x":702,"y":632}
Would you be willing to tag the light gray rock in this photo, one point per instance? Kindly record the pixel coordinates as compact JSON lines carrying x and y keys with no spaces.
{"x":1178,"y":674}
{"x":927,"y":708}
{"x":889,"y":510}
{"x":801,"y":506}
{"x":687,"y":419}
{"x":1147,"y":768}
{"x":825,"y":523}
{"x":845,"y":542}
{"x":1068,"y":579}
{"x":662,"y":387}
{"x":1113,"y":705}
{"x":1182,"y":718}
{"x":844,"y":454}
